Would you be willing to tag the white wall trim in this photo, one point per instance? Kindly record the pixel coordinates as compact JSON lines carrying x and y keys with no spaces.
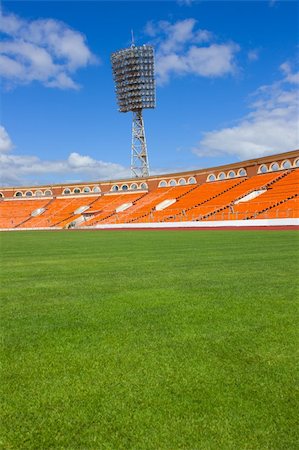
{"x":201,"y":224}
{"x":206,"y":224}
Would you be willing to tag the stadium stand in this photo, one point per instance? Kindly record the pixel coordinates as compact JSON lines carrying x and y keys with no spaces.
{"x":14,"y":213}
{"x":107,"y":206}
{"x":265,"y":188}
{"x":56,"y":212}
{"x":141,"y":210}
{"x":227,"y":200}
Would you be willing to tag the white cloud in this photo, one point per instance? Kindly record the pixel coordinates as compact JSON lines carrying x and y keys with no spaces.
{"x":271,"y":126}
{"x":182,"y":49}
{"x":291,"y":77}
{"x":76,"y":160}
{"x":22,"y":169}
{"x":5,"y":141}
{"x":176,"y":35}
{"x":185,"y":2}
{"x":213,"y":61}
{"x":62,"y":81}
{"x":44,"y":50}
{"x":253,"y":55}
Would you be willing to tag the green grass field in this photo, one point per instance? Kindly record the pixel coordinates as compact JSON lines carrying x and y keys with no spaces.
{"x":149,"y":340}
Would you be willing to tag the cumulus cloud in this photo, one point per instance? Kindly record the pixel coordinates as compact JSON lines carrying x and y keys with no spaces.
{"x":22,"y":169}
{"x":184,"y":49}
{"x":43,"y":50}
{"x":271,"y":126}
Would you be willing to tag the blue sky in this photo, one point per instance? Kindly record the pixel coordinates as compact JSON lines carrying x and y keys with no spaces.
{"x":227,"y":81}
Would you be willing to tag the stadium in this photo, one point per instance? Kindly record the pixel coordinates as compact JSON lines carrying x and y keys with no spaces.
{"x":260,"y":192}
{"x":156,"y":310}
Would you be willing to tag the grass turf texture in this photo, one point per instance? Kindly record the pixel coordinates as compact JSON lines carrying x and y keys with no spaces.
{"x":149,"y":340}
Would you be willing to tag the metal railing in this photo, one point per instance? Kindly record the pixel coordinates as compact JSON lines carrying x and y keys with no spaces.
{"x":261,"y":210}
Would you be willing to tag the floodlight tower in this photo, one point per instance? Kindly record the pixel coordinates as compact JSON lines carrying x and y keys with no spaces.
{"x":133,"y":73}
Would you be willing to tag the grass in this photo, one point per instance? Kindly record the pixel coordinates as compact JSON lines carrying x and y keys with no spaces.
{"x":149,"y":340}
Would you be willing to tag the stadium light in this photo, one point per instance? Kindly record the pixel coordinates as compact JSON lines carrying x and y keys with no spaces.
{"x":133,"y":73}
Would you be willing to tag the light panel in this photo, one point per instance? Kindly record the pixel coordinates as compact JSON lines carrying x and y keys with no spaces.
{"x":133,"y":73}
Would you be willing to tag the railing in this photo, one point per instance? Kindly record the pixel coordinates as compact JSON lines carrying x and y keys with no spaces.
{"x":259,"y":210}
{"x":290,"y":213}
{"x":262,"y":210}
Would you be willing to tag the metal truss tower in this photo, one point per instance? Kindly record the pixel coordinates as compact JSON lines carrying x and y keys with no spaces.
{"x":139,"y":159}
{"x":133,"y":73}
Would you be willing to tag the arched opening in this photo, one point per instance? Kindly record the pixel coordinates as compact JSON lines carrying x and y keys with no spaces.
{"x":1,"y":195}
{"x":296,"y":162}
{"x":274,"y":167}
{"x":211,"y":177}
{"x":172,"y":183}
{"x":77,"y":191}
{"x":143,"y":186}
{"x":182,"y":181}
{"x":124,"y":187}
{"x":242,"y":173}
{"x":221,"y":176}
{"x":67,"y":191}
{"x":86,"y":190}
{"x":29,"y":194}
{"x":263,"y":169}
{"x":134,"y":186}
{"x":191,"y":180}
{"x":48,"y":193}
{"x":162,"y":183}
{"x":38,"y":193}
{"x":115,"y":188}
{"x":19,"y":194}
{"x":96,"y":189}
{"x":231,"y":174}
{"x":286,"y":164}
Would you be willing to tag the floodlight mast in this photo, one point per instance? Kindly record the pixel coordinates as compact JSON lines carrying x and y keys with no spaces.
{"x":133,"y":73}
